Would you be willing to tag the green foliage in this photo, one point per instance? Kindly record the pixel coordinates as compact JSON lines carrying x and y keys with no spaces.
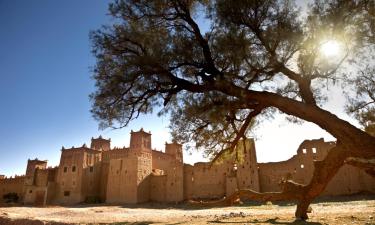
{"x":11,"y":197}
{"x":215,"y":81}
{"x":362,"y":104}
{"x":93,"y":200}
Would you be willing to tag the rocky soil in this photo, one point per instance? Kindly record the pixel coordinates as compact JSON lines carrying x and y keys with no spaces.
{"x":358,"y":211}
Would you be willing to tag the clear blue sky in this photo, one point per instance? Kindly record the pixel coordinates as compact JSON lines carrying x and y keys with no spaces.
{"x":45,"y":63}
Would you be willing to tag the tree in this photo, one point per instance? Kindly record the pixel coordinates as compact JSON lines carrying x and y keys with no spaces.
{"x":256,"y":58}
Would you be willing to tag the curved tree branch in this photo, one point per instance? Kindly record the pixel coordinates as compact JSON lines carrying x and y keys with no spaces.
{"x":323,"y":173}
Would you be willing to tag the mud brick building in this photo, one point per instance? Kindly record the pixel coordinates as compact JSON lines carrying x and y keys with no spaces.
{"x":140,"y":174}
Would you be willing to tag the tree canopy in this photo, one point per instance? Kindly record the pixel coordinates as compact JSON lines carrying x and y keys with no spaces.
{"x":217,"y":65}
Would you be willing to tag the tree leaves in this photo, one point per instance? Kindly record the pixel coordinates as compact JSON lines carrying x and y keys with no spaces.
{"x":215,"y":82}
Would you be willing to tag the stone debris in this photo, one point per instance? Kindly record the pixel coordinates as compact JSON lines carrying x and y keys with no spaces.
{"x":229,"y":215}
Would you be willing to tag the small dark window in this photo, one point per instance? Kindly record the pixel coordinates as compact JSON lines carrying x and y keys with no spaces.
{"x":91,"y":169}
{"x":66,"y":193}
{"x":30,"y":191}
{"x":74,"y":169}
{"x":65,"y":169}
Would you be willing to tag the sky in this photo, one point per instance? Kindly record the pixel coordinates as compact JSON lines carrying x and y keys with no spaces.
{"x":45,"y":80}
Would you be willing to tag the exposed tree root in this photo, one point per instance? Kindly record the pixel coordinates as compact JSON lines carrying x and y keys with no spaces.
{"x":291,"y":191}
{"x":324,"y":171}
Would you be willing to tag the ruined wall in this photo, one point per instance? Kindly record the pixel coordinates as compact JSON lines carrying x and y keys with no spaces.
{"x":350,"y":180}
{"x":300,"y":168}
{"x":12,"y":185}
{"x":204,"y":180}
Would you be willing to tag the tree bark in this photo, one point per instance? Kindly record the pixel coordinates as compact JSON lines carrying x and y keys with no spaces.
{"x":351,"y":142}
{"x":324,"y":171}
{"x":367,"y":164}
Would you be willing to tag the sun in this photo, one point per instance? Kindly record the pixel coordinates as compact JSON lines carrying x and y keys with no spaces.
{"x":330,"y":48}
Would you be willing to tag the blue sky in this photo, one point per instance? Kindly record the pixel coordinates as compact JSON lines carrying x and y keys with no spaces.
{"x":45,"y":64}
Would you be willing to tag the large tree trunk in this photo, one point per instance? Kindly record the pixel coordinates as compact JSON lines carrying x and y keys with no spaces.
{"x":324,"y":171}
{"x":351,"y":142}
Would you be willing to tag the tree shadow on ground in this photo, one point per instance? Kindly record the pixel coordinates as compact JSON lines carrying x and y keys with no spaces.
{"x":270,"y":221}
{"x":137,"y":223}
{"x":129,"y":223}
{"x":322,"y":199}
{"x":246,"y":203}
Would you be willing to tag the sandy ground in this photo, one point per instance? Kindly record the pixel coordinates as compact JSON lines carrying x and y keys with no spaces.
{"x":342,"y":212}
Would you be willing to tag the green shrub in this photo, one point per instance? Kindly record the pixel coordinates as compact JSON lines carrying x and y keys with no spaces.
{"x":92,"y":200}
{"x":11,"y":197}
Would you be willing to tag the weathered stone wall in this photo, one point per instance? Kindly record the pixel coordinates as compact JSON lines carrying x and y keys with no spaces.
{"x":144,"y":169}
{"x":247,"y":170}
{"x":173,"y":169}
{"x":188,"y":181}
{"x":204,"y":180}
{"x":122,"y":180}
{"x":90,"y":177}
{"x":210,"y":182}
{"x":139,"y":174}
{"x":69,"y":176}
{"x":12,"y":185}
{"x":350,"y":180}
{"x":100,"y":144}
{"x":300,"y":168}
{"x":158,"y":189}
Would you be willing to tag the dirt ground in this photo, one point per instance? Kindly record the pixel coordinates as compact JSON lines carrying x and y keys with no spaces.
{"x":343,"y":211}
